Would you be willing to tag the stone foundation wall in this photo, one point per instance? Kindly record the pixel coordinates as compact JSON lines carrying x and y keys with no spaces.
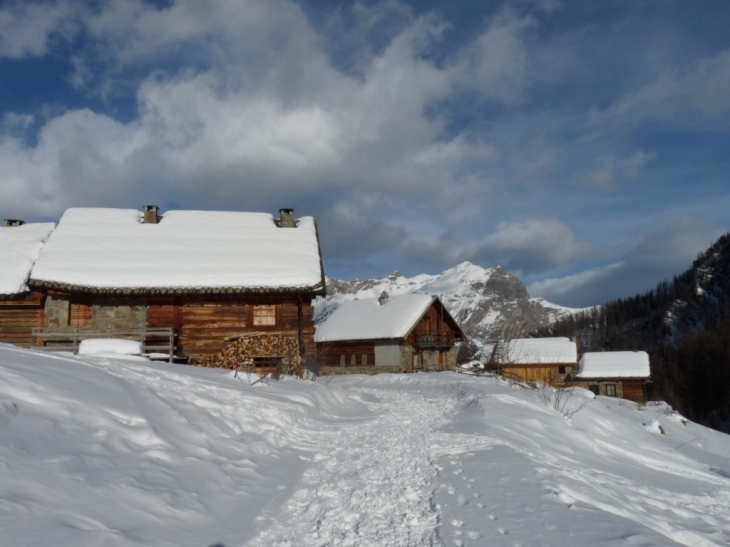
{"x":334,"y":371}
{"x":56,"y":312}
{"x":430,"y":364}
{"x":107,"y":313}
{"x":116,"y":313}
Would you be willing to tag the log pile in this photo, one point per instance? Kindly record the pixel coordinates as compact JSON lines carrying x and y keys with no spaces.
{"x":261,"y":352}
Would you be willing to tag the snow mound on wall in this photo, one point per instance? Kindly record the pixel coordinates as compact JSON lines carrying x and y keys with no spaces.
{"x":110,"y":346}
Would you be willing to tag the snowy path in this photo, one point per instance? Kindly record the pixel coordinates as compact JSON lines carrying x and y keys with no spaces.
{"x":372,"y":483}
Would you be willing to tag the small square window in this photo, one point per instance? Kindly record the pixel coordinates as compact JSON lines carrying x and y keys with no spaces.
{"x":264,"y":315}
{"x":595,"y":389}
{"x":561,"y":369}
{"x":611,"y":390}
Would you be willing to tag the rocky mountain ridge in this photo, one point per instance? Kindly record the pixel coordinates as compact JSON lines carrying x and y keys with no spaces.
{"x":488,"y":303}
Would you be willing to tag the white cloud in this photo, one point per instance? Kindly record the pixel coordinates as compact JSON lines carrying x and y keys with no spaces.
{"x":703,"y":87}
{"x":496,"y":63}
{"x":612,"y":171}
{"x":535,"y":245}
{"x":277,"y":118}
{"x":26,"y":27}
{"x":557,"y":289}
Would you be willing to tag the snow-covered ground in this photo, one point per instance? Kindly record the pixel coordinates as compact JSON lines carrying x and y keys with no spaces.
{"x":106,"y":451}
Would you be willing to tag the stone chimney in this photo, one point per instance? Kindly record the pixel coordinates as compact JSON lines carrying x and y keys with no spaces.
{"x":13,"y":222}
{"x":384,"y":298}
{"x":286,"y":219}
{"x":150,"y":214}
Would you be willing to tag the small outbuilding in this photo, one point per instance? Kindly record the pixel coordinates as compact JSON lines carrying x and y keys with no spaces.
{"x":402,"y":333}
{"x":622,"y":374}
{"x":549,"y":360}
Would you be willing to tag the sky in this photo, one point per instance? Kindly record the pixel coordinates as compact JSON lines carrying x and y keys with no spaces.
{"x":581,"y":145}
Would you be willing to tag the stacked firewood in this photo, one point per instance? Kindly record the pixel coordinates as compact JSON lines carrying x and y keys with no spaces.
{"x":271,"y":350}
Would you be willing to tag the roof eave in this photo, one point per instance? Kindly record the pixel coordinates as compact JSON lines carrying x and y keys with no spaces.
{"x":318,"y":289}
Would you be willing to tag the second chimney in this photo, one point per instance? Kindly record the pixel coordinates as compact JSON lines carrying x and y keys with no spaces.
{"x":286,"y":219}
{"x":384,"y":298}
{"x":150,"y":215}
{"x":13,"y":222}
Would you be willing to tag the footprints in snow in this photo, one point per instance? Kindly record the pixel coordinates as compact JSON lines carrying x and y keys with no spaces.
{"x":458,"y":528}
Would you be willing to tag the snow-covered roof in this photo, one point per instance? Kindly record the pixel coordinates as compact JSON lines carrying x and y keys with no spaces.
{"x":108,"y":250}
{"x":367,"y":319}
{"x":614,"y":364}
{"x":523,"y":351}
{"x":19,"y":249}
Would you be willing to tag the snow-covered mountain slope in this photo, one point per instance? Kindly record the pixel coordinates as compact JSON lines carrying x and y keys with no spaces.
{"x":99,"y":451}
{"x":487,"y":303}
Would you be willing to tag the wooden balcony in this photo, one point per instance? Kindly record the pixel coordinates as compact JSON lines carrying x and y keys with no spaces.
{"x":434,"y":340}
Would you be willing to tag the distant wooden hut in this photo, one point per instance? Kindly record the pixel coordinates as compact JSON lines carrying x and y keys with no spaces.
{"x":622,"y":374}
{"x":549,"y":360}
{"x":209,"y":287}
{"x":388,"y":334}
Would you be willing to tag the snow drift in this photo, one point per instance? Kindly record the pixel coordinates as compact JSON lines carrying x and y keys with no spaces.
{"x":100,"y":451}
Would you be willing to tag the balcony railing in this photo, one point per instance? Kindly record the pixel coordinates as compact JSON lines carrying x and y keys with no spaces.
{"x":159,"y":343}
{"x":434,"y":340}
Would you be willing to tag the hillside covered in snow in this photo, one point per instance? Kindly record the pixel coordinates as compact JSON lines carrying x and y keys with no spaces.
{"x":487,"y":303}
{"x":99,"y":451}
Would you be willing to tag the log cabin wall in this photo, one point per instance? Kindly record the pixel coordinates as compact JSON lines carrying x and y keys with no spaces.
{"x":346,"y":354}
{"x":18,"y":317}
{"x":202,"y":323}
{"x":634,"y":390}
{"x":531,"y":373}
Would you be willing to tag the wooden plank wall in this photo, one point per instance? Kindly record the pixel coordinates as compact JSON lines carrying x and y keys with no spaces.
{"x":329,"y":353}
{"x":17,"y":320}
{"x":530,"y":373}
{"x":438,"y":322}
{"x":203,"y":325}
{"x":634,"y":390}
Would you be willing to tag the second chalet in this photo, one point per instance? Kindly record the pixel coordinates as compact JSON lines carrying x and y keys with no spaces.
{"x":402,"y":333}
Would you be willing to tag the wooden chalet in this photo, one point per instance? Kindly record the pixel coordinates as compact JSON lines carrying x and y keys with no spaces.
{"x":20,"y":309}
{"x":215,"y":288}
{"x":549,"y":360}
{"x":404,"y":333}
{"x":622,"y":374}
